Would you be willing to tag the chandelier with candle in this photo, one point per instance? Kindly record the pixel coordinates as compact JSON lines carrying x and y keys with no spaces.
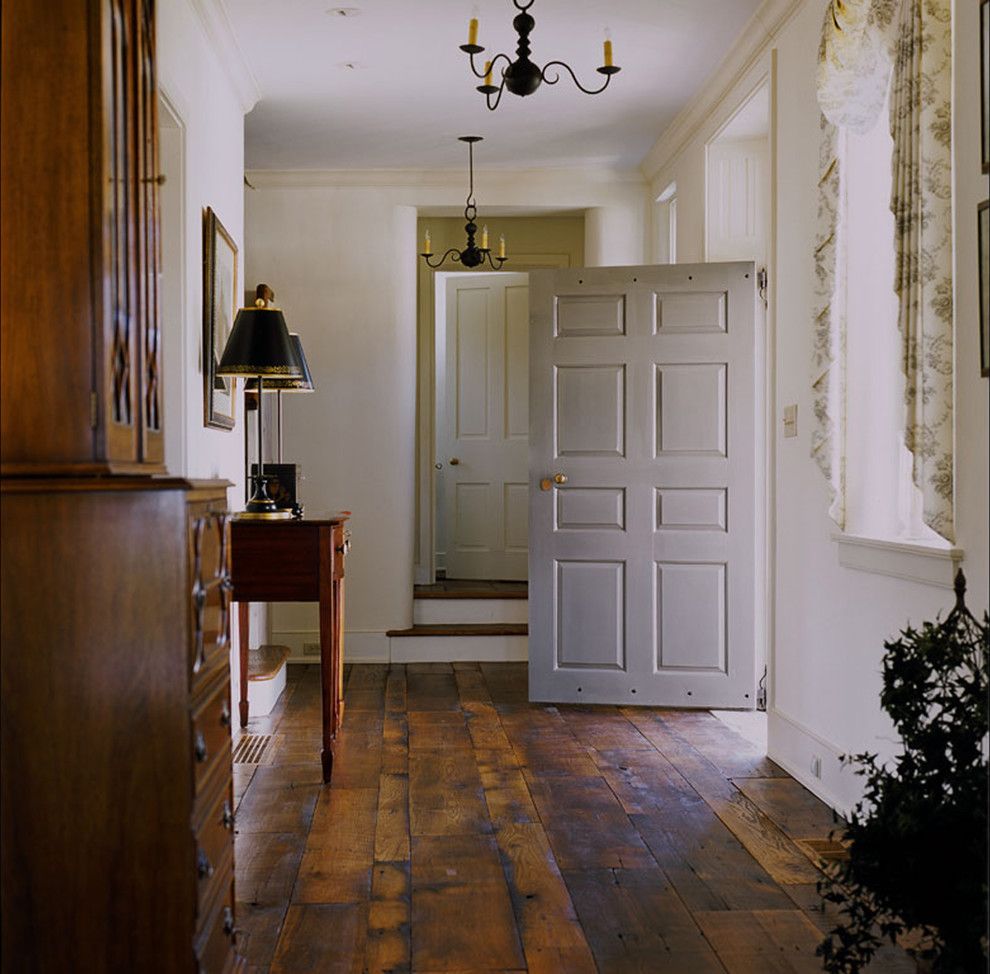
{"x":472,"y":255}
{"x":522,"y":77}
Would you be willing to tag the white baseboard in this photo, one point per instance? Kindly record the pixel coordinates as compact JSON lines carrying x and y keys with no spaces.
{"x":795,"y":747}
{"x":432,"y":612}
{"x":264,"y":694}
{"x":359,"y":646}
{"x":460,"y":649}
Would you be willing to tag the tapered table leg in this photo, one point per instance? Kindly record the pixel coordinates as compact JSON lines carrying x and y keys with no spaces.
{"x":328,"y":655}
{"x":244,"y":642}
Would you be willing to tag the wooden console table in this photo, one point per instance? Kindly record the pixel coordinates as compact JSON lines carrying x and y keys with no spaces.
{"x":295,"y":561}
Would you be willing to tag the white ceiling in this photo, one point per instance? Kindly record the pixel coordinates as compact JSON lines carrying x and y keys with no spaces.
{"x":410,"y":92}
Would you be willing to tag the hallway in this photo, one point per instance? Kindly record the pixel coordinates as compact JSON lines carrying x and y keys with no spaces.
{"x":468,"y":830}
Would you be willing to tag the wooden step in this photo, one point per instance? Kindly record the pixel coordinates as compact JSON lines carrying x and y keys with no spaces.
{"x":265,"y":662}
{"x":461,"y":629}
{"x":470,"y":588}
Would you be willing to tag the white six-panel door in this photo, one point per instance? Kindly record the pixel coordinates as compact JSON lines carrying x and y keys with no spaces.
{"x":643,"y":405}
{"x":483,"y":426}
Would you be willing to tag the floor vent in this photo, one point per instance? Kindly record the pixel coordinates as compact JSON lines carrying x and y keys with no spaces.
{"x":826,"y":850}
{"x":251,"y":748}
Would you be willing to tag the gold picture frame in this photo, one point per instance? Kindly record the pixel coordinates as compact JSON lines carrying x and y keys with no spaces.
{"x":220,"y":302}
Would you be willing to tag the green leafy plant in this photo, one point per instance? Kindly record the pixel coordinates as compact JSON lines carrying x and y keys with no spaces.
{"x":917,"y":842}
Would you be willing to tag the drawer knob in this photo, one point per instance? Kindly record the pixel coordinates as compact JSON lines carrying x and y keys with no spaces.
{"x":225,"y":715}
{"x":200,"y":746}
{"x":204,"y":867}
{"x":227,"y":819}
{"x":228,"y":922}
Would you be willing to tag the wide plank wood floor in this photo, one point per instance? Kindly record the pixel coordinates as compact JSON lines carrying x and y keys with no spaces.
{"x":468,"y":830}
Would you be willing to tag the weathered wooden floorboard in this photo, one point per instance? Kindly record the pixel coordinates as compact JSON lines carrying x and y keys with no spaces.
{"x":467,"y":830}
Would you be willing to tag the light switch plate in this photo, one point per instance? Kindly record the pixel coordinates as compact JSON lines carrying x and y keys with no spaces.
{"x":790,"y":420}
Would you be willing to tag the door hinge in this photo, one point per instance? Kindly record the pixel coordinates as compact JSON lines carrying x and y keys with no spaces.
{"x":761,"y":692}
{"x":93,"y":410}
{"x":761,"y":284}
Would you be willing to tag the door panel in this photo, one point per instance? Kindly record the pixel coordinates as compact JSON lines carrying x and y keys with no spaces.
{"x":483,"y":427}
{"x":643,"y":396}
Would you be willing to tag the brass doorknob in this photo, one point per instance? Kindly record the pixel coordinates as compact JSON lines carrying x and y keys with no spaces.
{"x":559,"y":478}
{"x":453,"y":461}
{"x":548,"y":482}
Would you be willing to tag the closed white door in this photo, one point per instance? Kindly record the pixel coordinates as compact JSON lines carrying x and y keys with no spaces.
{"x":483,"y":427}
{"x":643,"y":465}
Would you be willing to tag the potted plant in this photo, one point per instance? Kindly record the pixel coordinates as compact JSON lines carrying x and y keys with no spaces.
{"x":917,"y":842}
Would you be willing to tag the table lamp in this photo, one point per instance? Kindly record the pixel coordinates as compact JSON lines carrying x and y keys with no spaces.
{"x":259,"y":347}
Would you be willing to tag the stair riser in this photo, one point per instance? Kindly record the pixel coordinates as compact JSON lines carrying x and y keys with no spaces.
{"x":431,"y":612}
{"x":459,"y":649}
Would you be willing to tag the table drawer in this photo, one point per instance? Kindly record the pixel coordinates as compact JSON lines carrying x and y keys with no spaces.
{"x":211,"y":734}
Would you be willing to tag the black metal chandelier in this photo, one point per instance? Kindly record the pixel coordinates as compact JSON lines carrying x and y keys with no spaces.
{"x":471,"y":255}
{"x":522,"y":77}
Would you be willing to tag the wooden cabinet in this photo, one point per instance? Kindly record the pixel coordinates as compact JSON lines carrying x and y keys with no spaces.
{"x":116,"y":804}
{"x":79,"y":257}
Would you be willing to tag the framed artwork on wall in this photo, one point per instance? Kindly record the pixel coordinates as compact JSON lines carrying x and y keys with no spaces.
{"x":983,"y":256}
{"x":219,"y":307}
{"x":985,"y":82}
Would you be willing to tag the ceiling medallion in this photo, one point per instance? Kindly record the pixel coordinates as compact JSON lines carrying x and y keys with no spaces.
{"x":522,"y":77}
{"x":471,"y":255}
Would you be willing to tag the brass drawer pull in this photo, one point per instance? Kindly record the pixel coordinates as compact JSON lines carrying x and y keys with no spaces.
{"x":225,"y":715}
{"x":201,"y":752}
{"x":227,"y":819}
{"x":204,"y":867}
{"x":228,"y":923}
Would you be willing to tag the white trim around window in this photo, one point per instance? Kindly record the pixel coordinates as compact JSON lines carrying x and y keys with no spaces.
{"x":929,"y":564}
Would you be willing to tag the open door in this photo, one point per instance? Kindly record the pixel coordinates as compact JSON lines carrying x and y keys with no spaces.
{"x":643,"y":462}
{"x":483,"y":426}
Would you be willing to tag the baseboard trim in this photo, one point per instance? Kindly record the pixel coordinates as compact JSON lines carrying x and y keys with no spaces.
{"x":460,"y":649}
{"x":794,"y":747}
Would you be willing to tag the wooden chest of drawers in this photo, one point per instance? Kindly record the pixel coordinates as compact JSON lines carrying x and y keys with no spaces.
{"x":116,"y":804}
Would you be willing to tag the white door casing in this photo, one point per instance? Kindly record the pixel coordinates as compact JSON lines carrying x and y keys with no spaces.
{"x":483,"y":425}
{"x":643,"y":562}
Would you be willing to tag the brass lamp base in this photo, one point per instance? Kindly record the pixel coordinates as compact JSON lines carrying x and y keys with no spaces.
{"x":262,"y":515}
{"x":261,"y":507}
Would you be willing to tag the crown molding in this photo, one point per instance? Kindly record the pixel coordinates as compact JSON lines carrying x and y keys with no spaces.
{"x":752,"y":44}
{"x":315,"y":178}
{"x":220,"y":34}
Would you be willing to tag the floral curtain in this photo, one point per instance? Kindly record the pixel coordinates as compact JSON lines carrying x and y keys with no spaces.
{"x":921,"y":201}
{"x":829,"y":355}
{"x":867,"y":47}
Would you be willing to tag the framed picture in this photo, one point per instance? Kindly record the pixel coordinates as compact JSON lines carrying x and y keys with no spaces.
{"x":985,"y":82}
{"x":983,"y":255}
{"x":219,"y":307}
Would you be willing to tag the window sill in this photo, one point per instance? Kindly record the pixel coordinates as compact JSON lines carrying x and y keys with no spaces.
{"x":901,"y":559}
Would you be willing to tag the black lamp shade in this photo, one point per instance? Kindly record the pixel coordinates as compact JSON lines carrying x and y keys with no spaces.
{"x":259,"y":345}
{"x":286,"y":383}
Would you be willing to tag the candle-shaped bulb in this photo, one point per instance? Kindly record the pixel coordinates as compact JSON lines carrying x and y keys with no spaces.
{"x":427,"y":244}
{"x":473,"y":32}
{"x":488,"y":72}
{"x":501,"y":245}
{"x":484,"y":238}
{"x":608,"y":48}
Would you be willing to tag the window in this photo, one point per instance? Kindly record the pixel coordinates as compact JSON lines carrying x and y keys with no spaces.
{"x":881,"y":499}
{"x":666,"y":211}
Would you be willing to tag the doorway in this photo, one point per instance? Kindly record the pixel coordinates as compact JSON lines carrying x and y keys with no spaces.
{"x":482,"y":425}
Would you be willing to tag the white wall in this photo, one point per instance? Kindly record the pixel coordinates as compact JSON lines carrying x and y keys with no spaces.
{"x":829,"y":622}
{"x":210,"y":112}
{"x":340,"y":251}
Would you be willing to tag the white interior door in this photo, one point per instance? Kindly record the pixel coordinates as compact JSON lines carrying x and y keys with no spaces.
{"x":483,"y":427}
{"x":644,"y":400}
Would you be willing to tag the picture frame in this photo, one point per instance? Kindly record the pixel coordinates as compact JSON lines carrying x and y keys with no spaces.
{"x":220,"y":301}
{"x":985,"y":83}
{"x":983,"y":257}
